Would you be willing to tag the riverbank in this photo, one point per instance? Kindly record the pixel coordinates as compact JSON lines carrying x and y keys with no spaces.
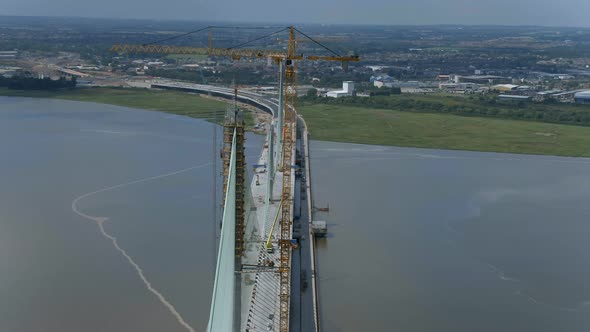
{"x":164,"y":101}
{"x":443,"y":131}
{"x":365,"y":125}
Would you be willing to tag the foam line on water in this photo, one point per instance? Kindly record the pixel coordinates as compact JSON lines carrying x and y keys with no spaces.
{"x":100,"y":223}
{"x":579,"y":308}
{"x":530,"y":298}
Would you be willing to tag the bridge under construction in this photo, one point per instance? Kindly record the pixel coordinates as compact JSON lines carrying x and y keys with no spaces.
{"x":249,"y":255}
{"x":265,"y":276}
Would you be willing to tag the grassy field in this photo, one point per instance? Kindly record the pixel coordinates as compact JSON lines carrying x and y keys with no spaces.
{"x":443,"y":131}
{"x":165,"y":101}
{"x":468,"y":105}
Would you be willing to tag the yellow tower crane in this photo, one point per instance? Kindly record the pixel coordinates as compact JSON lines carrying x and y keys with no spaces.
{"x":289,"y":59}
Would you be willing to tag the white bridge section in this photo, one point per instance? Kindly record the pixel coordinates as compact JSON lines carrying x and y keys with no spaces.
{"x":221,"y":317}
{"x":247,"y":97}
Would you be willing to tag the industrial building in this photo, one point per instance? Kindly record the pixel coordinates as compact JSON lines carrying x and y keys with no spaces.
{"x":566,"y":96}
{"x":481,"y":79}
{"x":347,"y":90}
{"x":504,"y":87}
{"x":383,"y":78}
{"x":513,"y":98}
{"x":380,"y":84}
{"x":382,"y":81}
{"x":8,"y":55}
{"x":456,"y":87}
{"x":582,"y":97}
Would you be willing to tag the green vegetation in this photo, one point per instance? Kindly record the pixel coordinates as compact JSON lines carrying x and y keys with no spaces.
{"x":29,"y":83}
{"x":183,"y":75}
{"x":355,"y":124}
{"x":166,"y":101}
{"x":481,"y":106}
{"x":443,"y":131}
{"x":244,"y":76}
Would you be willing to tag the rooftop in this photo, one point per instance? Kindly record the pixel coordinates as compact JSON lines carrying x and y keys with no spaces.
{"x":582,"y":94}
{"x":513,"y":97}
{"x":505,"y":86}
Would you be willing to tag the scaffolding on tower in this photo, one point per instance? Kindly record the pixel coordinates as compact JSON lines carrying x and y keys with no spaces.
{"x":234,"y":123}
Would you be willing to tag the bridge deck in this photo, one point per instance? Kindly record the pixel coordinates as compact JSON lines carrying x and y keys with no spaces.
{"x":260,"y":289}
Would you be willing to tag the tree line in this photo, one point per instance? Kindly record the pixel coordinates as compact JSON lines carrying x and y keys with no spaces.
{"x":482,"y":107}
{"x":30,"y":83}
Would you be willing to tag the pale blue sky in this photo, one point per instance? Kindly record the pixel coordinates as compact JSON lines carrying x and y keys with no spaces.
{"x":510,"y":12}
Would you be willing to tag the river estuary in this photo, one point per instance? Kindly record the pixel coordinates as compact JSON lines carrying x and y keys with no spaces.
{"x":105,"y":225}
{"x":146,"y":177}
{"x":432,"y":240}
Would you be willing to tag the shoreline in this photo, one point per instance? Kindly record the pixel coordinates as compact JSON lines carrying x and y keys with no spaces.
{"x":432,"y":131}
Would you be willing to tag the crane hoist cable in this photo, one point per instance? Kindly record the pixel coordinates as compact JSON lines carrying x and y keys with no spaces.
{"x":207,"y":28}
{"x":178,"y":36}
{"x":317,"y":42}
{"x":259,"y":38}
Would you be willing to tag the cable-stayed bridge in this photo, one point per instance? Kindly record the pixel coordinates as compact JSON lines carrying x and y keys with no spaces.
{"x":247,"y":288}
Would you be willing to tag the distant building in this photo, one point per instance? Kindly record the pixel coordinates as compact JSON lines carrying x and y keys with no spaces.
{"x":504,"y":87}
{"x":382,"y":81}
{"x":347,"y":90}
{"x":381,"y":84}
{"x":513,"y":98}
{"x":582,"y":97}
{"x":377,"y":68}
{"x":566,"y":96}
{"x":483,"y":79}
{"x":545,"y":95}
{"x":565,"y":77}
{"x":8,"y":55}
{"x":155,"y":64}
{"x":382,"y":78}
{"x":455,"y":87}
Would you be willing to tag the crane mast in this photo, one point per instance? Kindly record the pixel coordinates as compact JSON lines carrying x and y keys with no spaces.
{"x":288,"y":129}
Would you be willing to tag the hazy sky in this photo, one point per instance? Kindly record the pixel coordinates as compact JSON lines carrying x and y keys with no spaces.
{"x":512,"y":12}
